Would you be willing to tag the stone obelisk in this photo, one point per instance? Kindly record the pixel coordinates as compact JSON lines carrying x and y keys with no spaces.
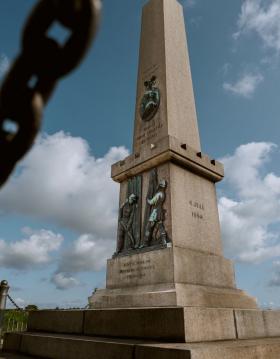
{"x":164,"y":54}
{"x":169,"y":250}
{"x":170,"y":293}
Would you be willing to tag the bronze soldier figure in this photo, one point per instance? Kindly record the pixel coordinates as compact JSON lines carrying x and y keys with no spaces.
{"x":127,"y":212}
{"x":156,"y":218}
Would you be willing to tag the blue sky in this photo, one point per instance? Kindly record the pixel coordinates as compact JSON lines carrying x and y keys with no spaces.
{"x":60,"y":209}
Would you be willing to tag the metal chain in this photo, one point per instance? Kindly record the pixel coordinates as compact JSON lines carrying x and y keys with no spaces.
{"x":35,"y":72}
{"x":13,"y":302}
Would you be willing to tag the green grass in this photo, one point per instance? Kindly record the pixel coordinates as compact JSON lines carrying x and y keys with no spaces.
{"x":14,"y":320}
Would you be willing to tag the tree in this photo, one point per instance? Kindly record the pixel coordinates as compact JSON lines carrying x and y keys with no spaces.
{"x":31,"y":307}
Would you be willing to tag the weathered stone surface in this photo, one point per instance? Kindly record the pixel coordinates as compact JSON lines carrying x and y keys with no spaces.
{"x":211,"y":297}
{"x":163,"y":53}
{"x":250,"y":324}
{"x":195,"y":219}
{"x":73,"y":347}
{"x":208,"y":324}
{"x":12,"y":342}
{"x":170,"y":265}
{"x":154,"y":267}
{"x":15,"y":356}
{"x":168,"y":149}
{"x":257,"y":323}
{"x":60,"y":346}
{"x":133,"y":297}
{"x":178,"y":324}
{"x":170,"y":277}
{"x":272,"y":323}
{"x":193,"y":267}
{"x":63,"y":321}
{"x":245,"y":349}
{"x":190,"y":324}
{"x":169,"y":324}
{"x":164,"y":324}
{"x":172,"y":295}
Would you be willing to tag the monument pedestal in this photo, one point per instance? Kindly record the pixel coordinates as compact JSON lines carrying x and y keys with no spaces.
{"x":171,"y":277}
{"x":189,"y":270}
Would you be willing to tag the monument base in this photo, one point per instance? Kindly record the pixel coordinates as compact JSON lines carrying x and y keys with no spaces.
{"x":182,"y":295}
{"x":71,"y":347}
{"x":149,"y":333}
{"x":166,"y":278}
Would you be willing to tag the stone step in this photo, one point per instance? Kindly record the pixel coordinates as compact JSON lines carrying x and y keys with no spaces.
{"x":15,"y":356}
{"x":61,"y":346}
{"x":267,"y":348}
{"x":178,"y":294}
{"x":178,"y":324}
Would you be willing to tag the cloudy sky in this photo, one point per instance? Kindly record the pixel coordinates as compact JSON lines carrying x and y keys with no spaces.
{"x":58,"y":212}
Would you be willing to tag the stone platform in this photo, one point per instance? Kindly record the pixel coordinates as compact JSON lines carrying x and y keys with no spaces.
{"x":53,"y":346}
{"x":14,"y":356}
{"x":171,"y":277}
{"x":149,"y":333}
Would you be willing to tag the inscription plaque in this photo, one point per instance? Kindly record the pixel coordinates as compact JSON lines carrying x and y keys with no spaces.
{"x":149,"y":132}
{"x":136,"y":269}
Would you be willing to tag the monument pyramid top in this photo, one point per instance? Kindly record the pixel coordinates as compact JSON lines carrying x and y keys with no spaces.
{"x":165,"y":103}
{"x":165,"y":127}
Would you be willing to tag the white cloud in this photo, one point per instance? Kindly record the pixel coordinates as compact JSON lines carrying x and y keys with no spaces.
{"x":4,"y":65}
{"x":190,"y":3}
{"x":263,"y":18}
{"x":226,"y":68}
{"x":247,"y":220}
{"x":61,"y":181}
{"x":63,"y":281}
{"x":245,"y":86}
{"x":29,"y":252}
{"x":275,"y":281}
{"x":84,"y":254}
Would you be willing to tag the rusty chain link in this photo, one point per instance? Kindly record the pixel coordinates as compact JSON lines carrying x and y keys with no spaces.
{"x":33,"y":76}
{"x":14,"y":303}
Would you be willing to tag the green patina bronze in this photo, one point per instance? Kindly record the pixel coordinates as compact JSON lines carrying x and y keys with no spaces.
{"x":132,"y":234}
{"x":154,"y":232}
{"x":150,"y":101}
{"x":129,"y":225}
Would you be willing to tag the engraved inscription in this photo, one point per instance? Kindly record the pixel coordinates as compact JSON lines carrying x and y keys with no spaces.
{"x":152,"y":69}
{"x":136,"y":269}
{"x":197,"y":215}
{"x":149,"y":132}
{"x":197,"y":209}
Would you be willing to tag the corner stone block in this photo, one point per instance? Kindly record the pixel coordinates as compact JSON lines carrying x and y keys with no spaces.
{"x":236,"y":349}
{"x":156,"y":323}
{"x":208,"y":324}
{"x":257,"y":323}
{"x":272,"y":323}
{"x":12,"y":342}
{"x":58,"y":321}
{"x":60,"y":346}
{"x":193,"y":267}
{"x":150,"y":352}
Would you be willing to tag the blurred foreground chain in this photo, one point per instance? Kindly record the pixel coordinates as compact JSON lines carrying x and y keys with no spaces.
{"x":34,"y":74}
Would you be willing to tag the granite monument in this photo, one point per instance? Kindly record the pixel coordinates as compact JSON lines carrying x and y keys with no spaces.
{"x":170,"y":293}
